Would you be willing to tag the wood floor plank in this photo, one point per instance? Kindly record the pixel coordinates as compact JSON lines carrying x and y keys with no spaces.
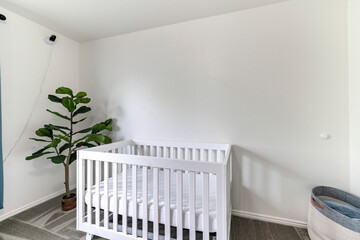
{"x":262,"y":230}
{"x":21,"y":230}
{"x":282,"y":232}
{"x":242,"y":227}
{"x":303,"y":233}
{"x":46,"y":222}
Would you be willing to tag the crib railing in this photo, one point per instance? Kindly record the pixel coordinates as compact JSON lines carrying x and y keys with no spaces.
{"x":100,"y":164}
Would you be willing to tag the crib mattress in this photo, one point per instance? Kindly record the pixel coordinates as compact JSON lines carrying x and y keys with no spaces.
{"x":150,"y":205}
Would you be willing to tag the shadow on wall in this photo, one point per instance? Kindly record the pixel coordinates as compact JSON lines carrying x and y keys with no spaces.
{"x":115,"y":112}
{"x":261,"y":186}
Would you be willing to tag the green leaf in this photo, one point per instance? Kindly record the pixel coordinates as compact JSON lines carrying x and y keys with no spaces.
{"x":72,"y":158}
{"x":79,"y":121}
{"x":78,"y":140}
{"x":82,"y":109}
{"x":54,"y":143}
{"x":64,"y":90}
{"x":66,"y":139}
{"x":108,"y":124}
{"x":58,"y":159}
{"x":86,"y":130}
{"x":69,"y":104}
{"x":57,"y":128}
{"x":109,"y":127}
{"x":39,"y":151}
{"x":98,"y":138}
{"x":64,"y":147}
{"x":61,"y":127}
{"x":43,"y":132}
{"x":81,"y":144}
{"x":108,"y":121}
{"x":40,"y":140}
{"x":81,"y":94}
{"x":107,"y":140}
{"x":98,"y":127}
{"x":54,"y":98}
{"x":37,"y":155}
{"x":82,"y":100}
{"x":58,"y":114}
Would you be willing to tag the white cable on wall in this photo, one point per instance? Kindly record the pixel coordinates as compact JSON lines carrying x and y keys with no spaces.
{"x":33,"y":108}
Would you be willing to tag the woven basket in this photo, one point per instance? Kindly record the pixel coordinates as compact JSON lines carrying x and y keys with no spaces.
{"x":324,"y":223}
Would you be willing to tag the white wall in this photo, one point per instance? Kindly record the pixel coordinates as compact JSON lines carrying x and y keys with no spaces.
{"x":268,"y":80}
{"x":24,"y":60}
{"x":354,"y":96}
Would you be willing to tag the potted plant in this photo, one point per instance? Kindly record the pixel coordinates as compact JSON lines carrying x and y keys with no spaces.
{"x":63,"y":141}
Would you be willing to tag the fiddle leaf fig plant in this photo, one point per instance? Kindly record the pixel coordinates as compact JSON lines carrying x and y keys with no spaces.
{"x":61,"y":142}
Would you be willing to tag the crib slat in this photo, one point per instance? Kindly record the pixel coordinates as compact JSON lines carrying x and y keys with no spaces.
{"x":148,"y":151}
{"x":156,"y":203}
{"x":218,"y":156}
{"x":194,"y":154}
{"x":202,"y":154}
{"x":89,"y":188}
{"x":205,"y":203}
{"x":106,"y":194}
{"x":192,"y":201}
{"x":167,"y":203}
{"x":167,"y":152}
{"x":134,"y":200}
{"x":172,"y":153}
{"x":158,"y":151}
{"x":97,"y":192}
{"x":82,"y":189}
{"x":133,"y":150}
{"x":152,"y":151}
{"x":144,"y":150}
{"x":179,"y":153}
{"x":145,"y":202}
{"x":179,"y":204}
{"x":137,"y":150}
{"x":124,"y":199}
{"x":211,"y":156}
{"x":115,"y":195}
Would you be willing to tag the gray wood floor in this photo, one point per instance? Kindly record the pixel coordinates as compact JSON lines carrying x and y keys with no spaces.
{"x":243,"y":228}
{"x":47,"y":222}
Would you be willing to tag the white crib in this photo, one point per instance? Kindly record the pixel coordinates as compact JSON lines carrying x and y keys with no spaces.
{"x":169,"y":187}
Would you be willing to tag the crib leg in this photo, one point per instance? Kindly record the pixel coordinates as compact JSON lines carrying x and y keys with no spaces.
{"x":89,"y":236}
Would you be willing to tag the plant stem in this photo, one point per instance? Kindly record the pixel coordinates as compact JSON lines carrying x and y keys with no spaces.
{"x":67,"y":178}
{"x":68,"y":159}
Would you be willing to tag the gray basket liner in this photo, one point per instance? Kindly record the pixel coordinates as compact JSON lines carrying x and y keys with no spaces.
{"x":350,"y":223}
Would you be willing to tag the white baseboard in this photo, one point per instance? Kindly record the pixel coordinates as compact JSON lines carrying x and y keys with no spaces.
{"x":33,"y":204}
{"x":267,"y":218}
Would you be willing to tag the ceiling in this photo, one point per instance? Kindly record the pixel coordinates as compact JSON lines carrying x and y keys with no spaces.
{"x":85,"y":20}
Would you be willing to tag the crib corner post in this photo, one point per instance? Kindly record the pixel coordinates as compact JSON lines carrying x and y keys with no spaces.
{"x":80,"y":178}
{"x":89,"y":236}
{"x":228,"y":182}
{"x":221,"y":211}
